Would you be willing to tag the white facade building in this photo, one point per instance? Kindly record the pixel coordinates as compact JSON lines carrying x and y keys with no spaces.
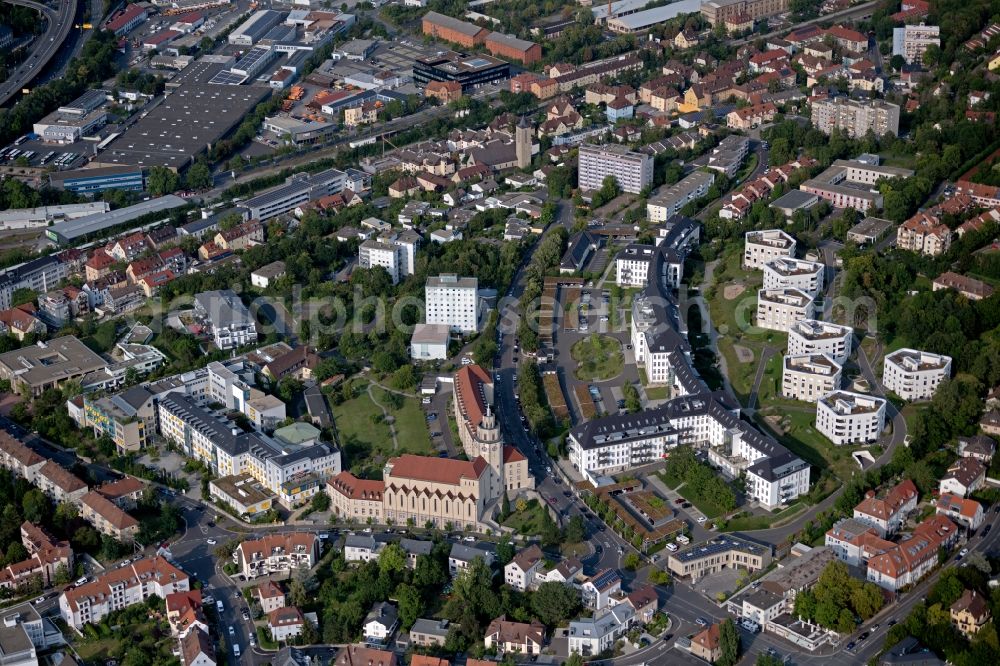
{"x":779,"y":309}
{"x":784,"y":272}
{"x":592,"y":636}
{"x":760,"y":247}
{"x":915,"y":375}
{"x":397,"y":253}
{"x":452,"y":301}
{"x":633,"y":171}
{"x":809,"y":377}
{"x":811,"y":336}
{"x":849,"y":418}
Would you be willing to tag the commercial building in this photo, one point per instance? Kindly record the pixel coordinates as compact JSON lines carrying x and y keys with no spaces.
{"x":910,"y":41}
{"x":254,"y":28}
{"x":452,"y":301}
{"x":189,"y":120}
{"x":811,"y":336}
{"x":120,"y":588}
{"x":453,"y":30}
{"x":760,"y":247}
{"x":855,"y":117}
{"x":242,"y":493}
{"x":437,"y":490}
{"x":724,"y":552}
{"x":915,"y":375}
{"x":779,"y":309}
{"x":471,"y":71}
{"x":632,"y":171}
{"x":869,"y":230}
{"x":717,"y":12}
{"x":887,"y":514}
{"x":786,"y":272}
{"x":670,"y":200}
{"x":128,"y":19}
{"x":853,"y":184}
{"x":71,"y":231}
{"x":277,"y":553}
{"x":809,"y":377}
{"x":99,"y":179}
{"x":298,"y":189}
{"x":429,"y":342}
{"x":635,"y":21}
{"x":514,"y":48}
{"x":43,"y":216}
{"x":850,"y":418}
{"x":229,"y":321}
{"x":32,"y":370}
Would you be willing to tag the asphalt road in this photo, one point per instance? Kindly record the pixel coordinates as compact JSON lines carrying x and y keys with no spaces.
{"x":59,"y":23}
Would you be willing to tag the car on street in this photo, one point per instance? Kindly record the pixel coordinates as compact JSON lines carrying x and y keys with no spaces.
{"x":701,"y":622}
{"x":892,"y":622}
{"x":552,"y":500}
{"x":679,"y":500}
{"x":963,"y":552}
{"x":864,"y":635}
{"x":246,"y":615}
{"x":470,"y":539}
{"x":253,"y":641}
{"x":701,"y":519}
{"x":232,"y":630}
{"x":39,"y":600}
{"x":850,"y":646}
{"x":212,"y":542}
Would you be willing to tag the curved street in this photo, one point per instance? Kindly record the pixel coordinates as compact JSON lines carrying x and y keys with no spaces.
{"x":58,"y":24}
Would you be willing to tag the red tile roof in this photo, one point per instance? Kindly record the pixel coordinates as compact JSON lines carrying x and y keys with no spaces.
{"x":436,"y":470}
{"x":470,"y":382}
{"x":354,"y":488}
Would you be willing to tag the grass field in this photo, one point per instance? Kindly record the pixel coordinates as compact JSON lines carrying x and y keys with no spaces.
{"x":598,"y":357}
{"x":529,"y":521}
{"x":708,"y":508}
{"x":366,"y":437}
{"x":652,"y":392}
{"x":795,"y":430}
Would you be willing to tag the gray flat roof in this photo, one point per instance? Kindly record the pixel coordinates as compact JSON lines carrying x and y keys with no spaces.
{"x":72,"y":229}
{"x":795,"y":199}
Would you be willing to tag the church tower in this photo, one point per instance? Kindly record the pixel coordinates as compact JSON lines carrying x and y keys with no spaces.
{"x":491,"y":448}
{"x":522,"y":143}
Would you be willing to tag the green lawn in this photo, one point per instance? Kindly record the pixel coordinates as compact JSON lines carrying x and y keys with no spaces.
{"x":366,"y":438}
{"x":652,"y":392}
{"x":706,"y":507}
{"x":744,"y":523}
{"x":795,"y":430}
{"x":528,"y":522}
{"x":598,"y":357}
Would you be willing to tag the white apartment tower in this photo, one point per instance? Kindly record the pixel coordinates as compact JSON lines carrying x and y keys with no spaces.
{"x":850,"y":418}
{"x":911,"y":41}
{"x":779,"y":309}
{"x":915,"y":375}
{"x":632,"y":170}
{"x":809,"y":377}
{"x":855,"y":117}
{"x":811,"y":336}
{"x":800,"y":274}
{"x":760,"y":247}
{"x":453,"y":301}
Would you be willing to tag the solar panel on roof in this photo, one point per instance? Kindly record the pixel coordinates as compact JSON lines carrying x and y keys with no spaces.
{"x":228,"y":78}
{"x":477,"y":62}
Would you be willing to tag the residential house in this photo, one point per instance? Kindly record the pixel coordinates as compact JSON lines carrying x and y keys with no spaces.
{"x":285,"y":623}
{"x":979,"y":447}
{"x":970,"y":613}
{"x":965,"y":512}
{"x":888,"y":513}
{"x":599,"y":588}
{"x":707,"y":645}
{"x":520,"y":572}
{"x":380,"y":623}
{"x":461,"y":556}
{"x":270,"y":595}
{"x":504,"y":636}
{"x":963,"y":477}
{"x":427,"y":633}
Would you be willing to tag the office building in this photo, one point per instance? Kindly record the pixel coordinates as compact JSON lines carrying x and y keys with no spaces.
{"x":32,"y":370}
{"x":277,"y":553}
{"x":452,"y":301}
{"x":471,"y":71}
{"x":809,"y":377}
{"x":779,"y":309}
{"x":119,"y":588}
{"x":855,"y":117}
{"x":39,"y":275}
{"x":811,"y":336}
{"x":786,"y":272}
{"x":910,"y":41}
{"x":760,"y":247}
{"x":298,"y":189}
{"x":718,"y":12}
{"x":853,"y":183}
{"x":850,"y":418}
{"x":915,"y":375}
{"x":632,"y":171}
{"x":669,"y":200}
{"x":97,"y":180}
{"x":229,"y":321}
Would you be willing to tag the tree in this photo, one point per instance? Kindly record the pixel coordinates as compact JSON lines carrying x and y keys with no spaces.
{"x":16,"y":552}
{"x":729,"y":644}
{"x":574,"y":660}
{"x":410,"y":605}
{"x":35,"y":505}
{"x":199,"y":176}
{"x":897,"y":61}
{"x":631,"y":561}
{"x":320,"y":502}
{"x":297,"y":593}
{"x":576,"y":530}
{"x":554,"y":602}
{"x":505,"y":550}
{"x":62,"y":575}
{"x":393,"y":559}
{"x":764,"y":659}
{"x":162,"y":181}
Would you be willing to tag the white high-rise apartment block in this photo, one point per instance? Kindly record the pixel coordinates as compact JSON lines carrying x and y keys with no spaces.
{"x":761,"y":247}
{"x":397,"y":253}
{"x":811,"y":336}
{"x":848,"y":418}
{"x":453,"y":301}
{"x":911,"y":41}
{"x":632,"y":170}
{"x":809,"y":377}
{"x":779,"y":309}
{"x":856,"y":117}
{"x":799,"y":274}
{"x":915,"y":375}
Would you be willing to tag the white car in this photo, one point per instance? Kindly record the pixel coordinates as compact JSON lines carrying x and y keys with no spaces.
{"x":470,"y":538}
{"x":38,"y":600}
{"x":963,"y":552}
{"x":212,"y":542}
{"x":701,"y":519}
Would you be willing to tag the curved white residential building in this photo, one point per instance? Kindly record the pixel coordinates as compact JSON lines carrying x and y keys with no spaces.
{"x":849,"y":418}
{"x":809,"y":377}
{"x":811,"y":336}
{"x":915,"y":375}
{"x":760,"y":247}
{"x":800,"y":274}
{"x":779,"y":309}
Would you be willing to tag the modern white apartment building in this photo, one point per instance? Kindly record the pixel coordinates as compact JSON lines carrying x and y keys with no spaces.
{"x":856,"y":117}
{"x":395,"y":252}
{"x":591,"y":636}
{"x":632,"y":265}
{"x":910,"y":41}
{"x":811,"y":336}
{"x":779,"y":309}
{"x":230,"y":322}
{"x":669,"y":201}
{"x":277,"y":553}
{"x":915,"y":375}
{"x":798,"y":274}
{"x":120,"y":588}
{"x":850,"y":418}
{"x":453,"y":301}
{"x":760,"y":247}
{"x":633,"y":171}
{"x":809,"y":377}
